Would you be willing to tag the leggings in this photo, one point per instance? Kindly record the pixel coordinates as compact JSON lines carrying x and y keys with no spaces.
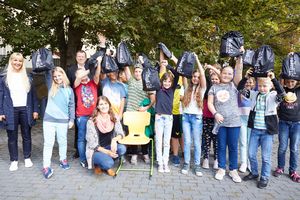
{"x":208,"y":136}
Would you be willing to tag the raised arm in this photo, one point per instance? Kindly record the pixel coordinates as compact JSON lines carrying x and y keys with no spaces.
{"x":98,"y":70}
{"x":238,"y":71}
{"x":127,"y":72}
{"x":202,"y":73}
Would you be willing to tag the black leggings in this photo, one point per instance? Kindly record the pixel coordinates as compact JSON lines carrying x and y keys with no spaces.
{"x":208,"y":136}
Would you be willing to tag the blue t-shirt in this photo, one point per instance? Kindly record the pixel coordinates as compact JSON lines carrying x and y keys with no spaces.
{"x":115,"y":92}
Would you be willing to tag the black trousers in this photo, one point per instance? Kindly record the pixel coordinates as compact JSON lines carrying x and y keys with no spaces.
{"x":20,"y":117}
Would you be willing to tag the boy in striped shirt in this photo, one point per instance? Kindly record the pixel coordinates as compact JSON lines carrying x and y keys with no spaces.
{"x":264,"y":123}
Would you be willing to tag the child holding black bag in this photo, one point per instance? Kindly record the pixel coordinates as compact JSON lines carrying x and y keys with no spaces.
{"x":164,"y":117}
{"x":264,"y":124}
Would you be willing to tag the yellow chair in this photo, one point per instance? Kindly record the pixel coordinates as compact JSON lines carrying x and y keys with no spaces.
{"x":136,"y":122}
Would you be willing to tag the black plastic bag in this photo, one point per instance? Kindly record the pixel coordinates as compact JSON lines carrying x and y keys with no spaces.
{"x":248,"y":57}
{"x":146,"y":60}
{"x":231,"y":43}
{"x":123,"y":55}
{"x":185,"y":64}
{"x":42,"y":60}
{"x":109,"y":64}
{"x":92,"y":62}
{"x":165,"y":50}
{"x":291,"y":67}
{"x":263,"y":61}
{"x":150,"y":78}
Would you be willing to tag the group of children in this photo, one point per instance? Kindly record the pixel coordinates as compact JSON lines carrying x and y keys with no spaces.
{"x":222,"y":108}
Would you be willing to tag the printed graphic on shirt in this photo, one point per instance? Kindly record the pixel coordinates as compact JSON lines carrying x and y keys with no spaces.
{"x":87,"y":96}
{"x":223,"y":96}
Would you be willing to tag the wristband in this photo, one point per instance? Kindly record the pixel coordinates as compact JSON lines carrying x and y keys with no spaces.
{"x":215,"y":113}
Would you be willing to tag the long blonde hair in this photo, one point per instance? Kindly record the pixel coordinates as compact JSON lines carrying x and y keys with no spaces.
{"x":54,"y":87}
{"x":10,"y":71}
{"x":197,"y":93}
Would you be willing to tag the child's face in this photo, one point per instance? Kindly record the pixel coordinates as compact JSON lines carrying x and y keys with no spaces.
{"x":227,"y":75}
{"x":264,"y":85}
{"x":167,"y":83}
{"x":196,"y":78}
{"x":122,"y":77}
{"x":112,"y":76}
{"x":85,"y":80}
{"x":290,"y":83}
{"x":58,"y":78}
{"x":249,"y":84}
{"x":103,"y":106}
{"x":138,"y":73}
{"x":215,"y":79}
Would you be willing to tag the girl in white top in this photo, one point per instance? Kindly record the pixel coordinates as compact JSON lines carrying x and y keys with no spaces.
{"x":192,"y":102}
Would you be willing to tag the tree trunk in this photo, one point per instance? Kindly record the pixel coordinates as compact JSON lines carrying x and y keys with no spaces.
{"x":69,"y":47}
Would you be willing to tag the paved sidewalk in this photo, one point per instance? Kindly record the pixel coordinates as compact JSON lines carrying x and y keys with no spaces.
{"x":78,"y":183}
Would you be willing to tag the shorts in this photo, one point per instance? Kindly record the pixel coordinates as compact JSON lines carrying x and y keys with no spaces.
{"x":177,"y":126}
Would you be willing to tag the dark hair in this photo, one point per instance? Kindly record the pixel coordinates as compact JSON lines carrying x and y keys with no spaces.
{"x":81,"y":51}
{"x":165,"y":76}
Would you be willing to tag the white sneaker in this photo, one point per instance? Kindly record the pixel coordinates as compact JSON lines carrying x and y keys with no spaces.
{"x":13,"y":166}
{"x":166,"y":169}
{"x":220,"y":174}
{"x":205,"y":163}
{"x":28,"y":162}
{"x":243,"y":168}
{"x":161,"y":169}
{"x":216,"y":164}
{"x":235,"y":176}
{"x":133,"y":160}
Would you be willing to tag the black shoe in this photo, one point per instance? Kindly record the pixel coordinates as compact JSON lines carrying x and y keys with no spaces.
{"x":84,"y":164}
{"x":76,"y":155}
{"x":262,"y":183}
{"x":250,"y":176}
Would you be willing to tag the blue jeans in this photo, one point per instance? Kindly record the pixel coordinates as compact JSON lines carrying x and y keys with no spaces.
{"x":261,"y":138}
{"x":52,"y":129}
{"x":81,"y":142}
{"x":228,"y":136}
{"x":163,"y":130}
{"x":192,"y":129}
{"x":288,"y":130}
{"x":106,"y":162}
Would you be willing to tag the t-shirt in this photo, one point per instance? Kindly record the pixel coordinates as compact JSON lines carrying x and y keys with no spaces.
{"x":260,"y":107}
{"x":176,"y":101}
{"x":86,"y":95}
{"x":226,"y":103}
{"x":193,"y":108}
{"x":115,"y":92}
{"x":136,"y":94}
{"x":290,"y":111}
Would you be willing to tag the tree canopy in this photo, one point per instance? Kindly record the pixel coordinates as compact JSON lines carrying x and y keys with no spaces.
{"x":182,"y":25}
